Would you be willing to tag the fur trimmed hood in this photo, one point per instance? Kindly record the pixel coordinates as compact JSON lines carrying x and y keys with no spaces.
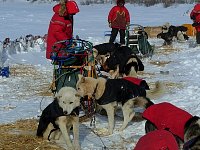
{"x":56,"y":9}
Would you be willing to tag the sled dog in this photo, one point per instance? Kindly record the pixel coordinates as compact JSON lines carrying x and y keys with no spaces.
{"x":59,"y":116}
{"x":108,"y":93}
{"x":103,"y":51}
{"x":123,"y":62}
{"x":178,"y":32}
{"x":184,"y":126}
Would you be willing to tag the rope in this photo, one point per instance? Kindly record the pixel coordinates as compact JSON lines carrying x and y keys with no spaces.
{"x":104,"y":146}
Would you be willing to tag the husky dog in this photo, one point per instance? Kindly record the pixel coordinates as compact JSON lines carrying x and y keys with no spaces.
{"x":184,"y":126}
{"x":103,"y":51}
{"x":59,"y":116}
{"x":108,"y":93}
{"x":178,"y":32}
{"x":124,"y":62}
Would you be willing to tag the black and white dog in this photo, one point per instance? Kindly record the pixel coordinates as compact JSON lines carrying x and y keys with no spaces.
{"x":167,"y":34}
{"x":184,"y":126}
{"x":124,"y":62}
{"x":103,"y":51}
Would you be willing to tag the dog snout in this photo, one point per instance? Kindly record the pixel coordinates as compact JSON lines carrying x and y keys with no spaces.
{"x":65,"y":112}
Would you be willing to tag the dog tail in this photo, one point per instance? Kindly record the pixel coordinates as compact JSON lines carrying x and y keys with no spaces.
{"x":142,"y":102}
{"x":157,"y":91}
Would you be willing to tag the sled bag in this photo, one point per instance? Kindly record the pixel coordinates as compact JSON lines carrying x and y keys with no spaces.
{"x":72,"y":7}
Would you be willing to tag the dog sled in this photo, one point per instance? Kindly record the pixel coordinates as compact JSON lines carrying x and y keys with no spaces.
{"x":137,"y":40}
{"x":70,"y":58}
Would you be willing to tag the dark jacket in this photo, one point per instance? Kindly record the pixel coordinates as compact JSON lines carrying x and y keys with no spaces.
{"x":105,"y":48}
{"x":50,"y":114}
{"x":120,"y":90}
{"x":120,"y":57}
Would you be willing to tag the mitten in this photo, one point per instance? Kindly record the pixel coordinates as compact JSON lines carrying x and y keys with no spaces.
{"x":109,"y":24}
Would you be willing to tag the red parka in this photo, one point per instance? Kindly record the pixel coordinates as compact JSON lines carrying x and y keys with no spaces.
{"x":157,"y":140}
{"x":195,"y":14}
{"x":167,"y":116}
{"x":59,"y":29}
{"x":119,"y":17}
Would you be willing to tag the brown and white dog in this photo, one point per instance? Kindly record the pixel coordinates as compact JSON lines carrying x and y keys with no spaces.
{"x":184,"y":126}
{"x":109,"y":93}
{"x":59,"y":116}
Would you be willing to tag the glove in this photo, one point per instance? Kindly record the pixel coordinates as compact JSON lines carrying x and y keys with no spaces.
{"x":110,"y":24}
{"x":192,"y":17}
{"x":128,"y":26}
{"x":195,"y":24}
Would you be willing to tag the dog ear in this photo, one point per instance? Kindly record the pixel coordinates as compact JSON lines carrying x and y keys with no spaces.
{"x":77,"y":95}
{"x":95,"y":52}
{"x":57,"y":96}
{"x":81,"y":78}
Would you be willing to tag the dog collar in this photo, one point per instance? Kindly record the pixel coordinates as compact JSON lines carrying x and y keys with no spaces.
{"x":190,"y":143}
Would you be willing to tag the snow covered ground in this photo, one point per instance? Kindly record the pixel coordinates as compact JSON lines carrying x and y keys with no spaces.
{"x":22,"y":94}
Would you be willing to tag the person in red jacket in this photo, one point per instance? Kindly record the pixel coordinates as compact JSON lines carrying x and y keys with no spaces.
{"x":195,"y":16}
{"x":118,"y":20}
{"x":61,"y":25}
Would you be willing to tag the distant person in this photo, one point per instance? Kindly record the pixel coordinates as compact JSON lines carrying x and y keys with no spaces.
{"x":118,"y":20}
{"x":195,"y":16}
{"x":61,"y":24}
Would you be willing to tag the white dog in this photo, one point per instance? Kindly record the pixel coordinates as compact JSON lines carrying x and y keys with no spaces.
{"x":59,"y":116}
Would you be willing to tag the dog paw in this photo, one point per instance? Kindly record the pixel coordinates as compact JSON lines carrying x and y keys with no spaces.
{"x":70,"y":148}
{"x":76,"y":146}
{"x":120,"y":130}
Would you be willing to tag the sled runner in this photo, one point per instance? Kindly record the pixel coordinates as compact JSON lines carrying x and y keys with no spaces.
{"x":137,"y":40}
{"x":70,"y":58}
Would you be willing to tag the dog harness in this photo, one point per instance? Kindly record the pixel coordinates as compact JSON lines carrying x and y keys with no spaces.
{"x":105,"y":48}
{"x":167,"y":116}
{"x":138,"y":81}
{"x":189,"y":144}
{"x":51,"y":113}
{"x":120,"y":90}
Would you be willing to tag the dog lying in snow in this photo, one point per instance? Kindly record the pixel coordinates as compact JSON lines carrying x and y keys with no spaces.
{"x":123,"y":62}
{"x":108,"y":93}
{"x":59,"y":116}
{"x":184,"y":126}
{"x":170,"y":32}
